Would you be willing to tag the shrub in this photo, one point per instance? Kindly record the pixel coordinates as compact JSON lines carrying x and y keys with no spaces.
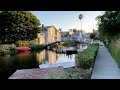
{"x":35,"y":47}
{"x":4,"y":51}
{"x":71,"y":73}
{"x":57,"y":75}
{"x":8,"y":50}
{"x":22,"y":43}
{"x":13,"y":50}
{"x":86,"y":58}
{"x":62,"y":43}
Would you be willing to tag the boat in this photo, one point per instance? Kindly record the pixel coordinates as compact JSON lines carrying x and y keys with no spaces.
{"x":23,"y":48}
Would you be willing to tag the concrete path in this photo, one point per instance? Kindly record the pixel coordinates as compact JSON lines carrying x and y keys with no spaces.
{"x":105,"y":66}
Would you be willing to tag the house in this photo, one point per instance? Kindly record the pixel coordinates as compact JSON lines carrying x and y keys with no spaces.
{"x":72,"y":31}
{"x":86,"y":37}
{"x":96,"y":34}
{"x":51,"y":34}
{"x":48,"y":34}
{"x":65,"y":35}
{"x":75,"y":34}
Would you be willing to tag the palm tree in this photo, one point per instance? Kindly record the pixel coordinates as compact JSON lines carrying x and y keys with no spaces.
{"x":80,"y":17}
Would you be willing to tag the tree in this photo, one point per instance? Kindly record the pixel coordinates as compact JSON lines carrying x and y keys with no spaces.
{"x":92,"y":35}
{"x":109,"y":24}
{"x":18,"y":25}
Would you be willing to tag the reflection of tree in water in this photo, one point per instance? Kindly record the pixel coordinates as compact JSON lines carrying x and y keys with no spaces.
{"x":28,"y":62}
{"x":8,"y":66}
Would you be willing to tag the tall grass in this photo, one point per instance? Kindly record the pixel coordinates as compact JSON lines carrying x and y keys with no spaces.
{"x":115,"y":52}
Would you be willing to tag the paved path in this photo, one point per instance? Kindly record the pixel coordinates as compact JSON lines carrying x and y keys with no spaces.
{"x":105,"y":66}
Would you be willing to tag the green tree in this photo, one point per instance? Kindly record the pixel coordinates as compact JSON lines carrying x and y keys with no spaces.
{"x":18,"y":25}
{"x":92,"y":35}
{"x":109,"y":25}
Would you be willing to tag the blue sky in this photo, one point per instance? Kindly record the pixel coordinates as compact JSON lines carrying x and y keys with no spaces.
{"x":68,"y":19}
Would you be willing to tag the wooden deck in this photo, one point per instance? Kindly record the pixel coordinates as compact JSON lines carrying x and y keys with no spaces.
{"x":37,"y":73}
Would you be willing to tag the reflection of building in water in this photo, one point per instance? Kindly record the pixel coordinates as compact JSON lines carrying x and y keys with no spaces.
{"x":52,"y":57}
{"x":41,"y":56}
{"x":69,"y":56}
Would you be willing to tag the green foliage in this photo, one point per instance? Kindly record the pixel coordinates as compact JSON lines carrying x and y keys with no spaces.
{"x":109,"y":25}
{"x":57,"y":75}
{"x":92,"y":35}
{"x":35,"y":47}
{"x":22,"y":43}
{"x":115,"y":52}
{"x":54,"y":45}
{"x":69,"y":43}
{"x":8,"y":50}
{"x":18,"y":25}
{"x":4,"y":51}
{"x":62,"y":43}
{"x":13,"y":51}
{"x":86,"y":58}
{"x":71,"y":73}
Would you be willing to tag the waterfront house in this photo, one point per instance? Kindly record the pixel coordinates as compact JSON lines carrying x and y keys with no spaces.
{"x":48,"y":34}
{"x":75,"y":34}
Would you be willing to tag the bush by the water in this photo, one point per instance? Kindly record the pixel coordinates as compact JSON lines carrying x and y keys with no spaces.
{"x":86,"y":58}
{"x":8,"y":50}
{"x":22,"y":43}
{"x":35,"y":47}
{"x":68,"y":43}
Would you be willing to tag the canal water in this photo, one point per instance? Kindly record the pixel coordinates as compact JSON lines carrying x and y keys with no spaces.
{"x":27,"y":60}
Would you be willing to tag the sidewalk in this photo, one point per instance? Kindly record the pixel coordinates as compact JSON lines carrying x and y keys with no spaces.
{"x":105,"y":66}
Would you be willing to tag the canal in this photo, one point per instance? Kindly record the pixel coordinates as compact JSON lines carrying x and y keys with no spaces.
{"x":29,"y":60}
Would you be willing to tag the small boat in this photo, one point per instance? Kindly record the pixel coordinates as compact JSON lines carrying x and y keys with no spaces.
{"x":68,"y":52}
{"x":23,"y":48}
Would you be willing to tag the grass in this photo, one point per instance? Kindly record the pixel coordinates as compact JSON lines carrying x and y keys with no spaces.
{"x":115,"y":52}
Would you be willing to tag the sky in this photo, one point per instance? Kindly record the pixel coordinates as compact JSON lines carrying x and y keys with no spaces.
{"x":69,"y":19}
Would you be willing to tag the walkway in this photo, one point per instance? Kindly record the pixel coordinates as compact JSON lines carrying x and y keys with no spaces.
{"x":105,"y":66}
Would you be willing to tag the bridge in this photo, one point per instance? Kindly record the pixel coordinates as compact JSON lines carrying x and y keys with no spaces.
{"x":58,"y":42}
{"x":53,"y":43}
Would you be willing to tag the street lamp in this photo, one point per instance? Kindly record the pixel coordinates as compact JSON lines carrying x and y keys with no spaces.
{"x":80,"y":17}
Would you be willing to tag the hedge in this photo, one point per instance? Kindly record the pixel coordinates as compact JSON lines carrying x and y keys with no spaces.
{"x":86,"y":58}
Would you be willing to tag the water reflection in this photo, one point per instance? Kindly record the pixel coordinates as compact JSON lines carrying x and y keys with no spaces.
{"x":52,"y":57}
{"x":22,"y":54}
{"x":27,"y":60}
{"x":44,"y":55}
{"x":41,"y":56}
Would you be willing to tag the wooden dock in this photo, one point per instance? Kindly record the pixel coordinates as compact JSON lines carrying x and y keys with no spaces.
{"x":37,"y":73}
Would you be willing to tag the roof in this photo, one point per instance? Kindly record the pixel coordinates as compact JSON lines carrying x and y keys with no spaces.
{"x":46,"y":27}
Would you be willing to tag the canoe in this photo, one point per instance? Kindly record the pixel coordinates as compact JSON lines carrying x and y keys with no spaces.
{"x":23,"y":48}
